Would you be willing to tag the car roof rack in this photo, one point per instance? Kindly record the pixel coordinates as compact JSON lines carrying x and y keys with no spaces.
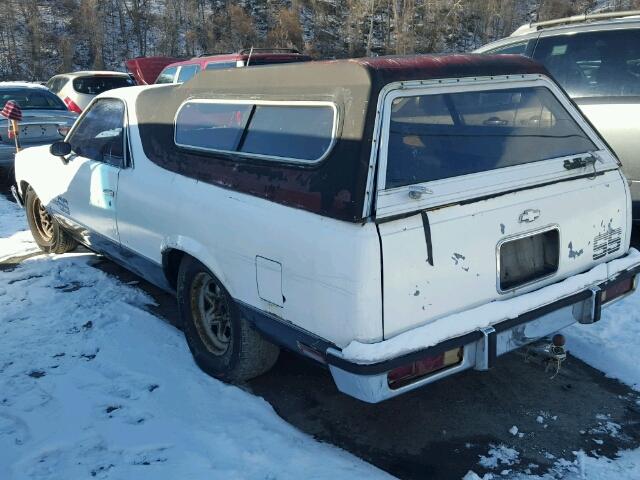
{"x":246,"y":51}
{"x":586,"y":17}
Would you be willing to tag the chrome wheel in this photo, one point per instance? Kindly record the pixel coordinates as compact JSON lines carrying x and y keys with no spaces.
{"x":43,"y":221}
{"x":211,"y":313}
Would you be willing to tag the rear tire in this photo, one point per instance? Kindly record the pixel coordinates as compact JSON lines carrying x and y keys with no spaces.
{"x":222,"y":343}
{"x":46,"y":231}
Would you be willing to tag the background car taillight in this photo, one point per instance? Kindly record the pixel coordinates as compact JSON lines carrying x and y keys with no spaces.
{"x":71,"y":105}
{"x":63,"y":130}
{"x":401,"y":376}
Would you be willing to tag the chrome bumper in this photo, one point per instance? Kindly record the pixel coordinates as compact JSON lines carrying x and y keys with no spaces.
{"x":369,"y":383}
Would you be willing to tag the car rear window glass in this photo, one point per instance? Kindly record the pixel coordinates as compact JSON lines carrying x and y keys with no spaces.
{"x":270,"y":60}
{"x":32,"y":99}
{"x":211,"y":126}
{"x":187,"y":72}
{"x":167,"y":75}
{"x":220,"y":65}
{"x":296,"y":132}
{"x":98,"y":84}
{"x":56,"y":83}
{"x":272,"y":132}
{"x":511,"y":49}
{"x":594,"y":64}
{"x":432,"y":137}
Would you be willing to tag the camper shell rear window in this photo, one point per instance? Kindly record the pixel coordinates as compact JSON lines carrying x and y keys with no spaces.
{"x":299,"y":132}
{"x":438,"y":136}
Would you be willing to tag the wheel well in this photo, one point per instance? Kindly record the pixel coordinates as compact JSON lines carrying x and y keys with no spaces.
{"x":171,"y":259}
{"x":23,"y":187}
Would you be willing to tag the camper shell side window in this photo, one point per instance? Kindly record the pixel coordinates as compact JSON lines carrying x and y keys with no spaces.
{"x":291,"y":132}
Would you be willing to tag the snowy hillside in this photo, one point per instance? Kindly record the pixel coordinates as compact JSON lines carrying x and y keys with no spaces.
{"x":39,"y":38}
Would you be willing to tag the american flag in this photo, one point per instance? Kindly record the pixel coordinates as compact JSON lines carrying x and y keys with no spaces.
{"x":12,"y":111}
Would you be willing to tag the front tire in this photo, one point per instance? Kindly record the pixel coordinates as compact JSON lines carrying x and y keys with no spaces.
{"x":223,"y":344}
{"x":46,"y":231}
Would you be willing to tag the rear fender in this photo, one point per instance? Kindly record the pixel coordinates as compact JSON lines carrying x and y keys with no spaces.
{"x":198,"y":251}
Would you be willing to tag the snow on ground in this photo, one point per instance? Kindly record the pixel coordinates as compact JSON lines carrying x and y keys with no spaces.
{"x":583,"y":467}
{"x":91,"y":384}
{"x":94,"y":386}
{"x":611,"y":345}
{"x":14,"y":235}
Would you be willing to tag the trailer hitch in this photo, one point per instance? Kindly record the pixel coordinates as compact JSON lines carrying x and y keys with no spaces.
{"x":552,"y":353}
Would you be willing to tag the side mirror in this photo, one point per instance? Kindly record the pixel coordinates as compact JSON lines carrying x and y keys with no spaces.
{"x":60,"y":149}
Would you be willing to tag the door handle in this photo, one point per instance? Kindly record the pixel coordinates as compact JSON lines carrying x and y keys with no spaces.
{"x":108,"y":192}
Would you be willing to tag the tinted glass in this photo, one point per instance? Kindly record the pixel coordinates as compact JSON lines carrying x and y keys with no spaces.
{"x":32,"y":98}
{"x":167,"y":75}
{"x":594,"y":64}
{"x":211,"y":126}
{"x":55,"y":84}
{"x":270,"y":60}
{"x":187,"y":72}
{"x":100,"y":134}
{"x":298,"y":132}
{"x":512,"y":49}
{"x":220,"y":65}
{"x":432,"y":137}
{"x":99,"y":84}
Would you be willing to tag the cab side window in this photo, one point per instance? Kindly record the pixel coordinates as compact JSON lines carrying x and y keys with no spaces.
{"x":100,"y":134}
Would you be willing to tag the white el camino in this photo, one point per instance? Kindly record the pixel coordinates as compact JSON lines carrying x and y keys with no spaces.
{"x":398,"y":220}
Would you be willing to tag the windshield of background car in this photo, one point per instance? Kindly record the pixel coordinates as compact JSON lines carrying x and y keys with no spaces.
{"x":167,"y":75}
{"x":32,"y":98}
{"x":187,"y":72}
{"x":98,"y":84}
{"x":432,"y":137}
{"x":594,"y":64}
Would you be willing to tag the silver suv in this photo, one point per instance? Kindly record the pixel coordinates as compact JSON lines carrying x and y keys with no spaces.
{"x":596,"y":58}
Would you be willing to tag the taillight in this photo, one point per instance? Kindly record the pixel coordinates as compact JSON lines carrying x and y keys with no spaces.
{"x":71,"y":105}
{"x":618,"y":289}
{"x":401,"y":376}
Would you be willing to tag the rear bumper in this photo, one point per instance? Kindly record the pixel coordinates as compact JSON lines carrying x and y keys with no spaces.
{"x":481,"y":347}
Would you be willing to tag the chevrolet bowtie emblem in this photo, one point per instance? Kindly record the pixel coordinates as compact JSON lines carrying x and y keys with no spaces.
{"x":529,"y":216}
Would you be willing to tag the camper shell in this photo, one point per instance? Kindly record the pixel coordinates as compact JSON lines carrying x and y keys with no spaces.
{"x":337,"y":186}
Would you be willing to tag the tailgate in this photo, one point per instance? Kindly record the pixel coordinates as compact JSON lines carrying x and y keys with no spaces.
{"x":488,"y":188}
{"x":472,"y":245}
